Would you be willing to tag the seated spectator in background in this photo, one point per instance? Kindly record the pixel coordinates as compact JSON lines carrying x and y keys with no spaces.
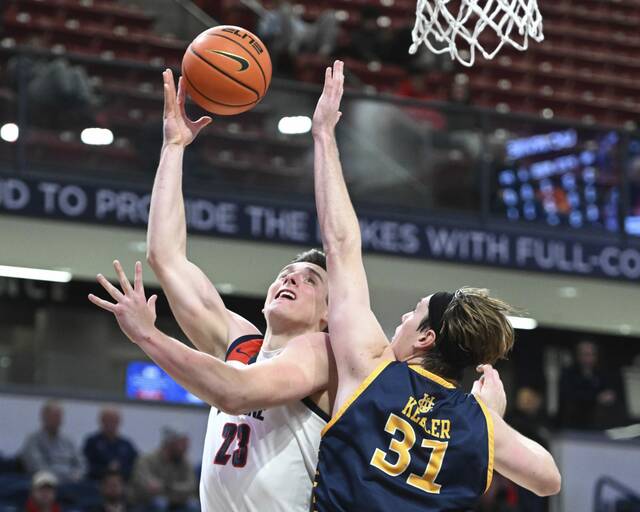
{"x":106,"y":450}
{"x":287,"y":35}
{"x":58,"y":92}
{"x":369,"y":42}
{"x":43,"y":493}
{"x":590,"y":396}
{"x":529,"y":418}
{"x":164,"y":480}
{"x":47,"y":449}
{"x":112,"y":492}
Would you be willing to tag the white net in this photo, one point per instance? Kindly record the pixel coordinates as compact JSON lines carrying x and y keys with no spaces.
{"x":456,"y":26}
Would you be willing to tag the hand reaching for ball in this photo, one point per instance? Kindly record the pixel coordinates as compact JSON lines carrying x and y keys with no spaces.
{"x":327,"y":113}
{"x":178,"y":128}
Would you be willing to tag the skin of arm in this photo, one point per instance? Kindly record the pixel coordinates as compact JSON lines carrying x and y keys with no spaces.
{"x":194,"y":301}
{"x":524,"y":461}
{"x":302,"y":368}
{"x":517,"y":457}
{"x":359,"y":346}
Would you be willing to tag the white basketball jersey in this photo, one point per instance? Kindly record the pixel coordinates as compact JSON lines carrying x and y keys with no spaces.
{"x":262,"y":461}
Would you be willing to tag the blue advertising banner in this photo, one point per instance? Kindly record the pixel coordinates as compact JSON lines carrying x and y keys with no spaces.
{"x":262,"y":221}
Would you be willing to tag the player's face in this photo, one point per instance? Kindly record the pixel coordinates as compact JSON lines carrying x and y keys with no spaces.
{"x":298,"y":296}
{"x":407,"y":332}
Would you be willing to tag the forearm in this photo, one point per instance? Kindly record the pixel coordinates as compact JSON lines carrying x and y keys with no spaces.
{"x":212,"y":380}
{"x":338,"y":221}
{"x":524,"y":461}
{"x":167,"y":230}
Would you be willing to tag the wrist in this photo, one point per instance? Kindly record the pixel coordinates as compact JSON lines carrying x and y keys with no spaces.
{"x":323,"y":134}
{"x":147,"y":338}
{"x":173,"y":146}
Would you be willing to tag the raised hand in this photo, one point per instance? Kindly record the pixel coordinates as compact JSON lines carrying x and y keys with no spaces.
{"x":135,"y":314}
{"x":489,"y":389}
{"x":327,"y":112}
{"x":178,"y":128}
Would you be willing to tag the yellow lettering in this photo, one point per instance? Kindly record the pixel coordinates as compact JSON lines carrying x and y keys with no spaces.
{"x":423,"y":423}
{"x":416,"y":416}
{"x":446,"y":427}
{"x":408,"y":409}
{"x":434,"y":428}
{"x":399,"y":447}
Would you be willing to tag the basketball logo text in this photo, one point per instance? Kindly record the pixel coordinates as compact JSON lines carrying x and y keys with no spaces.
{"x":243,"y":35}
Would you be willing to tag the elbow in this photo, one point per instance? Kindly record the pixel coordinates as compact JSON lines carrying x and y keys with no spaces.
{"x":551,"y":485}
{"x":153,"y":258}
{"x":156,"y":259}
{"x":231,"y":404}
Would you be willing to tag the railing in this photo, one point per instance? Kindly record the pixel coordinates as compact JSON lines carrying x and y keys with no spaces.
{"x":400,"y":156}
{"x":612,"y":496}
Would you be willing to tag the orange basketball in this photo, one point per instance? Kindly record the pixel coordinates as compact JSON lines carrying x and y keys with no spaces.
{"x":226,"y":70}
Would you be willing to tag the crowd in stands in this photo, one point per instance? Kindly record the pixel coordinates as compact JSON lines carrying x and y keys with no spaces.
{"x":51,"y":474}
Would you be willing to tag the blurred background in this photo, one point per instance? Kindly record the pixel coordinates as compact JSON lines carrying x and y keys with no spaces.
{"x":520,"y":174}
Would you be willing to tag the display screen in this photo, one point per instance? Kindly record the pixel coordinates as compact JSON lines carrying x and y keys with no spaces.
{"x":147,"y":381}
{"x":566,"y":177}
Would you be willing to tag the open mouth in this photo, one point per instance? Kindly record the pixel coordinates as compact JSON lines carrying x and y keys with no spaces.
{"x":286,"y":294}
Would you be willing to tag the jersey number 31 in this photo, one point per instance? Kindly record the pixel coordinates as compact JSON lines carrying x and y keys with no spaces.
{"x":402,"y":447}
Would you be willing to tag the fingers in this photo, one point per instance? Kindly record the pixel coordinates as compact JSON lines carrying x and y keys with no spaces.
{"x":477,"y":387}
{"x":111,"y":290}
{"x":152,"y":303}
{"x":490,"y":374}
{"x":338,"y":70}
{"x":101,"y":303}
{"x":202,"y":122}
{"x":182,"y":98}
{"x":169,"y":93}
{"x":122,"y":277}
{"x":138,"y":285}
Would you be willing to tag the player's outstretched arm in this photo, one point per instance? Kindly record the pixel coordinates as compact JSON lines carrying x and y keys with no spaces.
{"x":523,"y":461}
{"x":518,"y":458}
{"x":357,"y":339}
{"x":302,"y":369}
{"x":195,"y":302}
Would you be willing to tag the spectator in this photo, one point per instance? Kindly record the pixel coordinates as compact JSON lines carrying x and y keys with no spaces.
{"x":47,"y":449}
{"x":43,"y":493}
{"x":59,"y":93}
{"x":590,"y":398}
{"x":370,"y":42}
{"x":164,"y":480}
{"x":528,"y":416}
{"x":112,"y":491}
{"x":287,"y":35}
{"x":106,"y":450}
{"x":530,"y":419}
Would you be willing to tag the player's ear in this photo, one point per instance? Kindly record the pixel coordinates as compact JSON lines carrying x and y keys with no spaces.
{"x":324,"y":322}
{"x":425,"y":341}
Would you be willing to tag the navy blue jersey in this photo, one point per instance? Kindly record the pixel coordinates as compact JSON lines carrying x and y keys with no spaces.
{"x":407,"y":440}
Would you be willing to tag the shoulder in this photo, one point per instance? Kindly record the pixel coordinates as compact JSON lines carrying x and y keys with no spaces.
{"x":123,"y":441}
{"x":244,"y":348}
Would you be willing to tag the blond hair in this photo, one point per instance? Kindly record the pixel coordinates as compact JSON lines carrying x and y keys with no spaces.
{"x":474,"y":327}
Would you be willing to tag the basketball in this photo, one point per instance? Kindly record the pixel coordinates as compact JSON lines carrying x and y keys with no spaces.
{"x":226,"y":70}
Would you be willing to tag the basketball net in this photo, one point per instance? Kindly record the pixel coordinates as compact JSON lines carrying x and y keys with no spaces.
{"x":455,"y":26}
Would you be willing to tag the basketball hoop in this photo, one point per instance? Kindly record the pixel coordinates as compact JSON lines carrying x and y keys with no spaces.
{"x":458,"y":25}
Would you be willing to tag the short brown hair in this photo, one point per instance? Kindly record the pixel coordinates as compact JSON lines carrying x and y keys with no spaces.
{"x":313,"y":256}
{"x":477,"y":325}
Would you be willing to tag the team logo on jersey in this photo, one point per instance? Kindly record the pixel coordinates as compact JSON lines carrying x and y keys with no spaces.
{"x":244,"y":63}
{"x":426,"y":403}
{"x":415,"y":408}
